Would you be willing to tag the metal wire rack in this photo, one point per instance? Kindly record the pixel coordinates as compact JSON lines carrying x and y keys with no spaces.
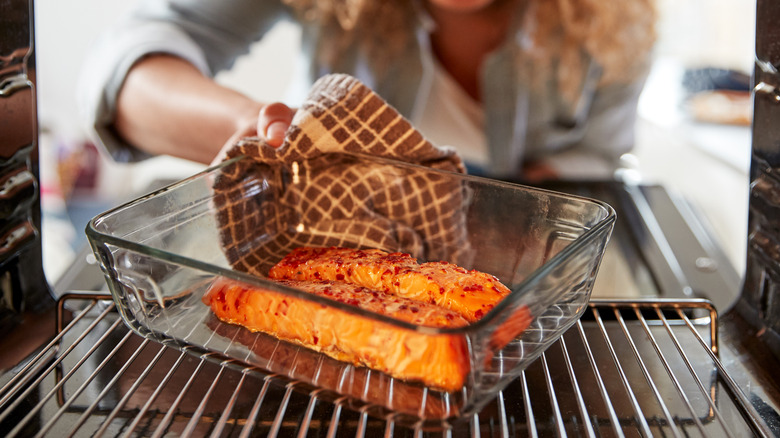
{"x":627,"y":368}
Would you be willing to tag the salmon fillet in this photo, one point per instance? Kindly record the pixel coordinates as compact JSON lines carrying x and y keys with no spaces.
{"x":470,"y":293}
{"x":288,"y":359}
{"x":437,"y":360}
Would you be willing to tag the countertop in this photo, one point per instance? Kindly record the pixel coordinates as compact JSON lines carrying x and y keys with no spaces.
{"x":706,"y":164}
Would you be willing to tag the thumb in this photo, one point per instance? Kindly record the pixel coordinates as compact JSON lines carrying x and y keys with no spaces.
{"x":273,"y":122}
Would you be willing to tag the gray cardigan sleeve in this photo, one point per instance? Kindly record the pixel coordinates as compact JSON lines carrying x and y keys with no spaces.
{"x":209,"y":34}
{"x":608,"y":133}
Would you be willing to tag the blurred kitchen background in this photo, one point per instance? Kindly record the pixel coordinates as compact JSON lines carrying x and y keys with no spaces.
{"x":693,"y":132}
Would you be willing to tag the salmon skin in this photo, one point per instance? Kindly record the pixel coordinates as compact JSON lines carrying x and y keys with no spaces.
{"x":468,"y":292}
{"x":438,"y":361}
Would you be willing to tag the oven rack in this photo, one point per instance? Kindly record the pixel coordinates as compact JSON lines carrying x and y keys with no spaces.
{"x":627,"y":368}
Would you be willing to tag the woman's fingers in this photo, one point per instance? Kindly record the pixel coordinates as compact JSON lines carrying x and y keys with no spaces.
{"x":273,"y":122}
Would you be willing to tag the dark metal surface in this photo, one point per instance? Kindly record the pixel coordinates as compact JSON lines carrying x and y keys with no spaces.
{"x":23,"y":286}
{"x":760,"y":300}
{"x":663,"y":243}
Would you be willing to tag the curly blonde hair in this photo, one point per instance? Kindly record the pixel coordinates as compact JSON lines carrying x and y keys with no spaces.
{"x":618,"y":35}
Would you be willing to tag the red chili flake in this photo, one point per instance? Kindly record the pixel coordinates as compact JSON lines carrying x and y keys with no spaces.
{"x":396,"y":257}
{"x":315,"y":339}
{"x":402,"y":307}
{"x":340,"y":277}
{"x":414,"y":309}
{"x":478,"y":314}
{"x":221,"y":296}
{"x":441,"y":290}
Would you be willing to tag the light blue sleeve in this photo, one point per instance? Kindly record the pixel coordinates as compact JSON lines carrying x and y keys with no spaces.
{"x":608,"y":133}
{"x":209,"y":34}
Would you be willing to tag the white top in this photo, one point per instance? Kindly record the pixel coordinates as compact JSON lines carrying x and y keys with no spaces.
{"x":453,"y":118}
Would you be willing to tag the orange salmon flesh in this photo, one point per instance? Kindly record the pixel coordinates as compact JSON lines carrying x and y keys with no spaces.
{"x":439,"y":361}
{"x":434,"y":294}
{"x":470,"y":293}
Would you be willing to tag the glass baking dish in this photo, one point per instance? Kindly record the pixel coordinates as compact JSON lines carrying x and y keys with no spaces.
{"x":161,"y":253}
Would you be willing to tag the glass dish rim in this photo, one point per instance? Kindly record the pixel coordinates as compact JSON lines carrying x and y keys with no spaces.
{"x":517,"y":291}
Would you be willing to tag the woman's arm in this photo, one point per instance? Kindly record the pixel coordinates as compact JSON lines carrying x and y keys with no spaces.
{"x":167,"y":106}
{"x":157,"y":63}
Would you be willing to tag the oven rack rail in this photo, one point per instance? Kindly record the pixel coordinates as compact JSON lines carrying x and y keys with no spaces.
{"x":647,"y":367}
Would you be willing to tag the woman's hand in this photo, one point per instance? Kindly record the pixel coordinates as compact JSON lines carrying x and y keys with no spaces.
{"x":273,"y":122}
{"x":535,"y":172}
{"x":271,"y":125}
{"x":167,"y":106}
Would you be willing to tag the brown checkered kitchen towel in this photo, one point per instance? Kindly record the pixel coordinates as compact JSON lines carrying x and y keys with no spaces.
{"x":316,"y":190}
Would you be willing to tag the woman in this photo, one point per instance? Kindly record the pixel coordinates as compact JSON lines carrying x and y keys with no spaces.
{"x":522,"y":88}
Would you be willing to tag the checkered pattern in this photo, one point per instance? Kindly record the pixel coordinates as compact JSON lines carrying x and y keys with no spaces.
{"x":332,"y":197}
